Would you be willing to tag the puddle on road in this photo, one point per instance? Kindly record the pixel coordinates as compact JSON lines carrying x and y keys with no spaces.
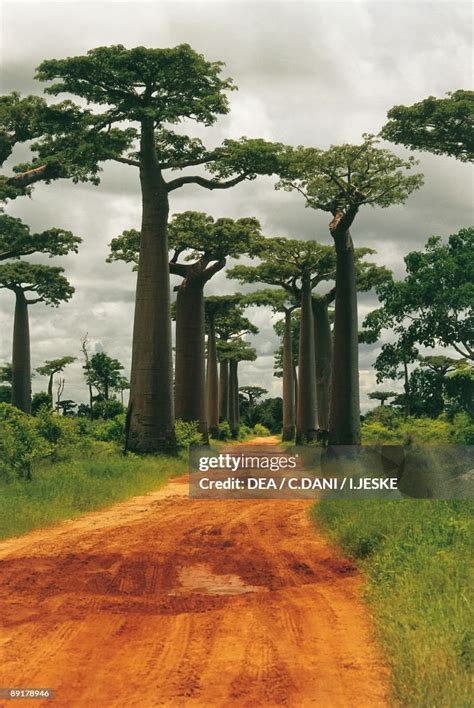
{"x":201,"y":579}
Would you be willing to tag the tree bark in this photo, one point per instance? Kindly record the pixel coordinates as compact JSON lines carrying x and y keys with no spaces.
{"x":190,"y":382}
{"x":344,"y":417}
{"x":150,"y":420}
{"x":224,"y":390}
{"x":50,"y":388}
{"x":323,"y":354}
{"x":233,"y":398}
{"x":212,"y":382}
{"x":306,"y":408}
{"x":406,"y":386}
{"x":21,"y":365}
{"x":288,"y":382}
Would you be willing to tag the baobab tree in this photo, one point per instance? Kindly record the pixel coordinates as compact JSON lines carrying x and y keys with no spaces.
{"x":297,"y":267}
{"x":286,"y":302}
{"x":235,"y":351}
{"x":252,"y":394}
{"x":225,"y":323}
{"x":50,"y":368}
{"x":381,"y":396}
{"x":31,"y":284}
{"x":199,"y":248}
{"x":340,"y":181}
{"x":137,"y":94}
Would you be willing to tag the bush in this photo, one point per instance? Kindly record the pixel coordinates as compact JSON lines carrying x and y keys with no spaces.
{"x":244,"y":432}
{"x":187,"y":433}
{"x":462,"y":432}
{"x":261,"y":430}
{"x":225,"y":432}
{"x":21,"y":444}
{"x":38,"y":401}
{"x":111,"y":430}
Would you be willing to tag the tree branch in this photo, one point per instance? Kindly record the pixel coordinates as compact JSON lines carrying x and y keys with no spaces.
{"x":203,"y":182}
{"x":126,"y":161}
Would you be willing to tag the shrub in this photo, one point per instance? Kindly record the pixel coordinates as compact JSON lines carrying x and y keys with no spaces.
{"x":225,"y":432}
{"x":111,"y":430}
{"x":244,"y":432}
{"x":21,"y":444}
{"x":462,"y":432}
{"x":187,"y":433}
{"x":261,"y":430}
{"x":38,"y":401}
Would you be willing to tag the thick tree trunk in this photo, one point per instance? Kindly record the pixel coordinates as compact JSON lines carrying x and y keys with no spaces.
{"x":190,"y":382}
{"x":288,"y":382}
{"x":50,"y":389}
{"x":21,"y":372}
{"x":224,"y":390}
{"x":306,"y":408}
{"x":233,"y":398}
{"x":323,"y":354}
{"x":344,"y":418}
{"x":150,"y":419}
{"x":212,"y":382}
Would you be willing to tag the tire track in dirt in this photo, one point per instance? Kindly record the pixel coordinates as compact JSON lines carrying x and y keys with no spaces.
{"x":103,"y":609}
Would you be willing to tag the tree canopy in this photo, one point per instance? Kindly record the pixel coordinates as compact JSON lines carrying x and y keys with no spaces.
{"x":39,"y":282}
{"x":17,"y":240}
{"x":443,"y":126}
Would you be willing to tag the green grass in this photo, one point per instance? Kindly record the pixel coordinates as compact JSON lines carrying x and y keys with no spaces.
{"x":67,"y":488}
{"x":417,"y":555}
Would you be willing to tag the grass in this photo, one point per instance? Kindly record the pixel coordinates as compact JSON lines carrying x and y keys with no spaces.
{"x":416,"y":555}
{"x":67,"y":488}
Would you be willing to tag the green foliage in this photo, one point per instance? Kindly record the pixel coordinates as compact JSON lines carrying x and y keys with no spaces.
{"x":5,"y":394}
{"x":443,"y":126}
{"x":187,"y":434}
{"x":17,"y":240}
{"x":110,"y":430}
{"x":381,"y":396}
{"x":414,"y":554}
{"x":425,"y":431}
{"x":80,"y":483}
{"x":261,"y":430}
{"x":21,"y":443}
{"x":106,"y":409}
{"x":225,"y":433}
{"x":54,"y":366}
{"x":345,"y":177}
{"x":103,"y":373}
{"x":45,"y":283}
{"x":437,"y":296}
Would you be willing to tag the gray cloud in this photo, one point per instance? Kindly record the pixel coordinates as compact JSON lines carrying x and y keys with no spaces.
{"x":313,"y":73}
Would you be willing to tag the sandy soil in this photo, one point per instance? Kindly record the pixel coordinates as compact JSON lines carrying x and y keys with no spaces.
{"x":165,"y":601}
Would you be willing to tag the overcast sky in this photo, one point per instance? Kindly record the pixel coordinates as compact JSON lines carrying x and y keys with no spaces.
{"x":309,"y":73}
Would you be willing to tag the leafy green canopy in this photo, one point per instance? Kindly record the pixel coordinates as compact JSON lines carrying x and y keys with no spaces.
{"x":343,"y":178}
{"x":197,"y":238}
{"x":45,"y":283}
{"x":443,"y":126}
{"x":155,"y":88}
{"x":104,"y":373}
{"x":434,"y":304}
{"x":17,"y":240}
{"x":54,"y":366}
{"x":236,"y":350}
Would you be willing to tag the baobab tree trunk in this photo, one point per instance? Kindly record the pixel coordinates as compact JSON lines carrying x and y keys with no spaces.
{"x":323,"y":354}
{"x":306,"y":408}
{"x":21,"y":365}
{"x":150,"y":416}
{"x":288,"y":382}
{"x":344,"y":417}
{"x":224,"y":390}
{"x":212,"y":382}
{"x":233,"y":398}
{"x":50,"y":389}
{"x":190,"y":382}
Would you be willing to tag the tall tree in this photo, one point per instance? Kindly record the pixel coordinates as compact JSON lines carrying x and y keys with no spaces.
{"x":252,"y":394}
{"x":31,"y":284}
{"x":137,"y":94}
{"x":283,"y":301}
{"x":199,"y":248}
{"x":50,"y":368}
{"x":443,"y":126}
{"x":234,"y":352}
{"x":340,"y":181}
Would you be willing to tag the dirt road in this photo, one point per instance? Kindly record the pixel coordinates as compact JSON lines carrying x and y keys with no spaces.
{"x":165,"y":601}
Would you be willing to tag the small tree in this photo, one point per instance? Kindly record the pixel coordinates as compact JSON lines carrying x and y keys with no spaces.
{"x":104,"y":374}
{"x":381,"y":396}
{"x":45,"y":284}
{"x":234,"y":352}
{"x":443,"y":126}
{"x":52,"y":367}
{"x":340,"y":181}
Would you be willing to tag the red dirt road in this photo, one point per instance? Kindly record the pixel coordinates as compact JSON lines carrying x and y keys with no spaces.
{"x":166,"y":601}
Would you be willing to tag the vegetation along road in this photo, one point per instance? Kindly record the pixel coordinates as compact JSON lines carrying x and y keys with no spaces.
{"x":164,"y":600}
